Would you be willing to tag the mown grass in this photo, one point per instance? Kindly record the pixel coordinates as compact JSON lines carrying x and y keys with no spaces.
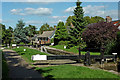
{"x":28,"y":53}
{"x":74,"y":50}
{"x":5,"y":69}
{"x":69,"y":71}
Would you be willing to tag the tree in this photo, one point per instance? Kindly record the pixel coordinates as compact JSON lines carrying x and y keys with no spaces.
{"x":3,"y":33}
{"x":87,"y":19}
{"x":79,"y":23}
{"x":61,"y":33}
{"x":10,"y":35}
{"x":6,"y":35}
{"x":19,"y":33}
{"x":45,"y":27}
{"x":95,"y":19}
{"x":99,"y":34}
{"x":31,"y":30}
{"x":69,"y":21}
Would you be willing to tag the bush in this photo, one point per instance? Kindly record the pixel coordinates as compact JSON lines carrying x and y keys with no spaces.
{"x":113,"y":46}
{"x":63,"y":43}
{"x":52,"y":40}
{"x":21,"y":43}
{"x":110,"y":48}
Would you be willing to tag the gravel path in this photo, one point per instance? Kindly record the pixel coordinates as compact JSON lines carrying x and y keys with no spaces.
{"x":18,"y":68}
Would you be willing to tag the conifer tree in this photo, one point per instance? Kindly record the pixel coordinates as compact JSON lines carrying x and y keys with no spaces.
{"x":19,"y":33}
{"x":79,"y":23}
{"x":61,"y":33}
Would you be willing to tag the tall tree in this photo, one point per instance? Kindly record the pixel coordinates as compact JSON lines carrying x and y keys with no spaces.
{"x":69,"y":21}
{"x":79,"y":23}
{"x":6,"y":35}
{"x":10,"y":35}
{"x":19,"y":33}
{"x":3,"y":33}
{"x":61,"y":33}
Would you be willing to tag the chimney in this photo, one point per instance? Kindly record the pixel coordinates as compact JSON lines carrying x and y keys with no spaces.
{"x":54,"y":27}
{"x":108,"y":19}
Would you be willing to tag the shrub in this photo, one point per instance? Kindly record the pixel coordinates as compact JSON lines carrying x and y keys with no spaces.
{"x":113,"y":46}
{"x":52,"y":40}
{"x":63,"y":43}
{"x":98,"y":34}
{"x":110,"y":47}
{"x":21,"y":43}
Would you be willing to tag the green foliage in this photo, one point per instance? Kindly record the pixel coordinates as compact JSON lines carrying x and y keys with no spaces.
{"x":118,"y":44}
{"x":20,"y":33}
{"x":61,"y":33}
{"x":6,"y":35}
{"x":69,"y":21}
{"x":31,"y":30}
{"x":110,"y":48}
{"x":63,"y":43}
{"x":94,"y":19}
{"x":45,"y":27}
{"x":113,"y":46}
{"x":75,"y":72}
{"x":79,"y":23}
{"x":52,"y":40}
{"x":21,"y":43}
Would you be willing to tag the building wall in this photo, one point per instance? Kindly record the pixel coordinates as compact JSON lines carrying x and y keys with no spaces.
{"x":44,"y":41}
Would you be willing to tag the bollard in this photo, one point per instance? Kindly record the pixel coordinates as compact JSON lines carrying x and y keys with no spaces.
{"x":87,"y":61}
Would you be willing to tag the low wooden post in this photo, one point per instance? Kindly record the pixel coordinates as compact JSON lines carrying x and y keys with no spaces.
{"x":79,"y":52}
{"x":79,"y":57}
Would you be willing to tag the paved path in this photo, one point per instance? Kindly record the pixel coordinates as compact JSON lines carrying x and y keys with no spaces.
{"x":19,"y":68}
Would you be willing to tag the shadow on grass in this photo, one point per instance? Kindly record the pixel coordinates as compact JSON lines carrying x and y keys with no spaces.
{"x":48,"y":77}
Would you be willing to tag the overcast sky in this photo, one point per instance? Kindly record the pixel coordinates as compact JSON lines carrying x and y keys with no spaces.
{"x":38,"y":13}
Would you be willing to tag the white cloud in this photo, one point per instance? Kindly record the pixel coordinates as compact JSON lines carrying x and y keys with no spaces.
{"x":38,"y":11}
{"x":17,"y":12}
{"x":58,"y":17}
{"x":95,"y":11}
{"x":59,"y":21}
{"x":70,"y":9}
{"x":32,"y":11}
{"x":33,"y":22}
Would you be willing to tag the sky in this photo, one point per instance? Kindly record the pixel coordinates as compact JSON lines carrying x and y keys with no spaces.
{"x":39,"y":13}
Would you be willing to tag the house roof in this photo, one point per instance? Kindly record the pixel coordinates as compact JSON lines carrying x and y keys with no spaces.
{"x":117,"y":22}
{"x":47,"y":34}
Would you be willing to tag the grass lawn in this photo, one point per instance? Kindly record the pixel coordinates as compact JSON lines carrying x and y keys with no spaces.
{"x":69,"y":71}
{"x":5,"y":69}
{"x":28,"y":53}
{"x":74,"y":50}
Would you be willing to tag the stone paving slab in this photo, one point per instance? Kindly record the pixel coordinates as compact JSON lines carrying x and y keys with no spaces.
{"x":19,"y":68}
